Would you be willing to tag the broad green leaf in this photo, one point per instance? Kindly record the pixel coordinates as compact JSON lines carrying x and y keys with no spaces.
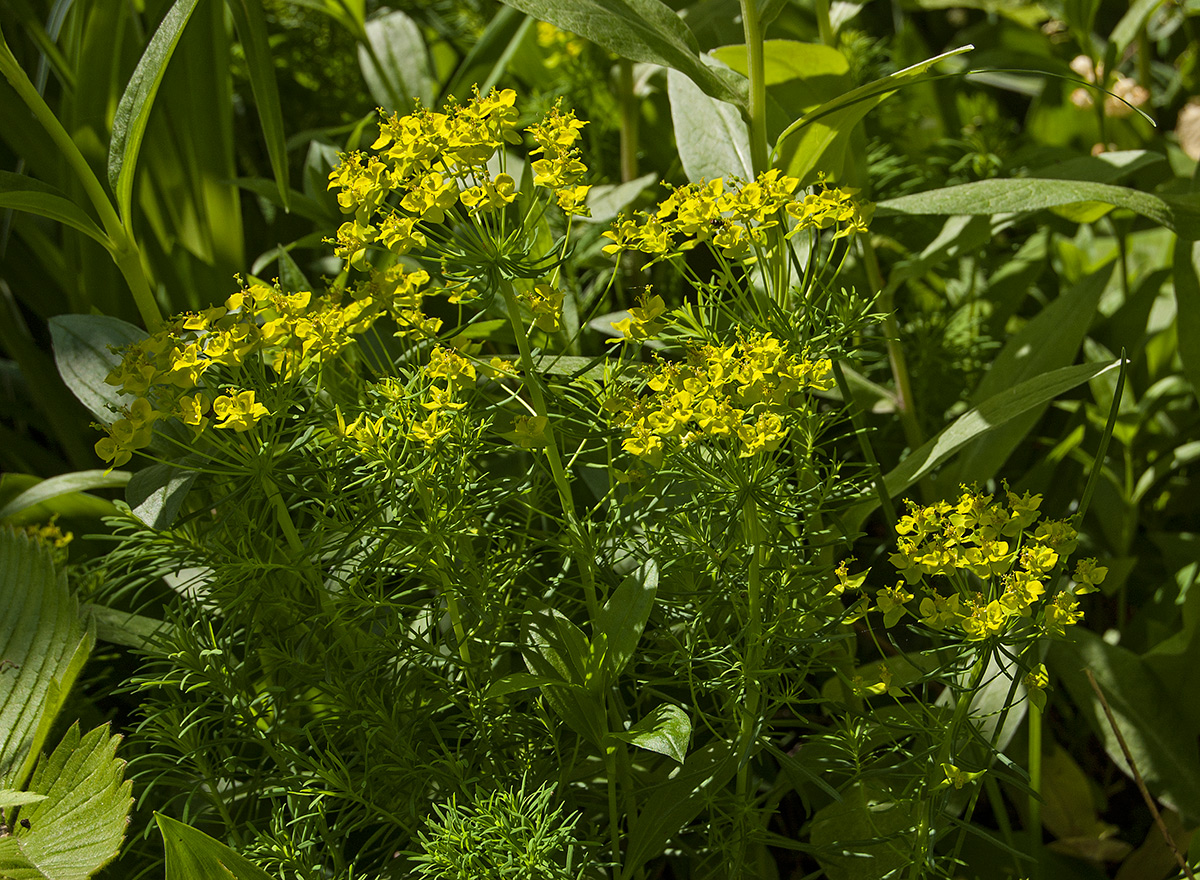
{"x":848,"y":832}
{"x":63,"y":484}
{"x":1131,"y":23}
{"x":641,"y":30}
{"x":396,"y":69}
{"x":84,"y":360}
{"x":193,"y":855}
{"x":676,"y":802}
{"x":820,"y":129}
{"x":133,"y":110}
{"x":1048,"y":342}
{"x":788,"y":60}
{"x":22,"y":193}
{"x":485,"y":63}
{"x":1162,"y":743}
{"x":10,"y":798}
{"x":77,"y":827}
{"x":711,"y":135}
{"x":559,"y":650}
{"x":156,"y":493}
{"x":665,"y":731}
{"x":993,"y":412}
{"x":607,"y":200}
{"x":1105,"y":168}
{"x":518,"y":681}
{"x":619,"y":625}
{"x":250,"y":20}
{"x":72,"y":504}
{"x":43,"y":640}
{"x":308,"y":208}
{"x":1187,"y":301}
{"x":1178,"y":212}
{"x":123,"y":628}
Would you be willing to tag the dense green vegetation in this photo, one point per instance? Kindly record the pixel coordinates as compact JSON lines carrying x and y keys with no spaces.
{"x":610,"y":439}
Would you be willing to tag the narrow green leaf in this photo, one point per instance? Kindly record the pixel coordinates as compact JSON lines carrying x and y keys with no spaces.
{"x":1131,"y":22}
{"x":490,"y":54}
{"x":250,"y":20}
{"x":193,"y":855}
{"x":76,"y":828}
{"x":620,"y":623}
{"x":63,"y":484}
{"x":41,"y":636}
{"x":81,"y":352}
{"x":133,"y":110}
{"x":1178,"y":212}
{"x":641,"y":30}
{"x":712,"y":136}
{"x":665,"y":731}
{"x":1048,"y":342}
{"x":308,"y":208}
{"x":993,"y":412}
{"x":122,"y":628}
{"x":22,"y":193}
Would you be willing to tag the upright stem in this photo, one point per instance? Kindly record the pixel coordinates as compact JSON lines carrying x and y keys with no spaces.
{"x":905,"y":405}
{"x":751,"y":653}
{"x":824,"y":23}
{"x":758,"y":85}
{"x":1035,"y":784}
{"x":629,"y":122}
{"x":554,"y":459}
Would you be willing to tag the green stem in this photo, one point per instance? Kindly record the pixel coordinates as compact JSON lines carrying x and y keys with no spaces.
{"x":1035,"y":785}
{"x":824,"y":23}
{"x":757,"y":111}
{"x":751,"y":653}
{"x":121,"y":246}
{"x":554,"y":459}
{"x":629,"y":122}
{"x":614,"y":825}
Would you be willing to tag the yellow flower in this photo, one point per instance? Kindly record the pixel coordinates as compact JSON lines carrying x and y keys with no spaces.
{"x":239,"y":412}
{"x":891,"y":601}
{"x":1088,"y":575}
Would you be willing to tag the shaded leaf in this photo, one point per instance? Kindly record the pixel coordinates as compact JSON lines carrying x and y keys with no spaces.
{"x":192,"y":855}
{"x":62,"y":485}
{"x":133,"y":110}
{"x":619,"y":625}
{"x":22,"y":193}
{"x":156,"y":493}
{"x":81,"y":352}
{"x":397,"y":74}
{"x":666,"y":731}
{"x":121,"y":627}
{"x":641,"y":30}
{"x":44,"y":645}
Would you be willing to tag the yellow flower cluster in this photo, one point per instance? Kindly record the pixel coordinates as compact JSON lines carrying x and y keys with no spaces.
{"x":1004,"y":547}
{"x":50,"y":534}
{"x":742,"y":392}
{"x":165,"y":373}
{"x":563,"y":47}
{"x":426,"y":164}
{"x":458,"y":374}
{"x":545,"y":304}
{"x":736,"y":222}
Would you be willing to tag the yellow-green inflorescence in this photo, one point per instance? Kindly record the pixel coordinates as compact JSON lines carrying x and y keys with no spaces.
{"x":996,"y":559}
{"x":743,"y":394}
{"x":736,"y":219}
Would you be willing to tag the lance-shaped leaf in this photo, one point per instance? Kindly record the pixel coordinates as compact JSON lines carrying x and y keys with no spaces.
{"x":666,"y":731}
{"x":192,"y":855}
{"x":81,"y":352}
{"x":620,"y":623}
{"x":64,"y":484}
{"x":1178,"y":212}
{"x":77,"y":824}
{"x":250,"y":19}
{"x":396,"y":69}
{"x":156,"y":493}
{"x":133,"y":110}
{"x":23,"y":193}
{"x":42,"y":648}
{"x":641,"y":30}
{"x":712,"y":136}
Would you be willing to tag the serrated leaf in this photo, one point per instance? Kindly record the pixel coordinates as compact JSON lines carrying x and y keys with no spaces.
{"x":84,"y":360}
{"x":64,"y":484}
{"x":641,"y":30}
{"x":665,"y":731}
{"x":1178,"y":212}
{"x":43,"y":646}
{"x":619,"y":625}
{"x":78,"y":828}
{"x":250,"y":20}
{"x":133,"y":110}
{"x":22,"y":193}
